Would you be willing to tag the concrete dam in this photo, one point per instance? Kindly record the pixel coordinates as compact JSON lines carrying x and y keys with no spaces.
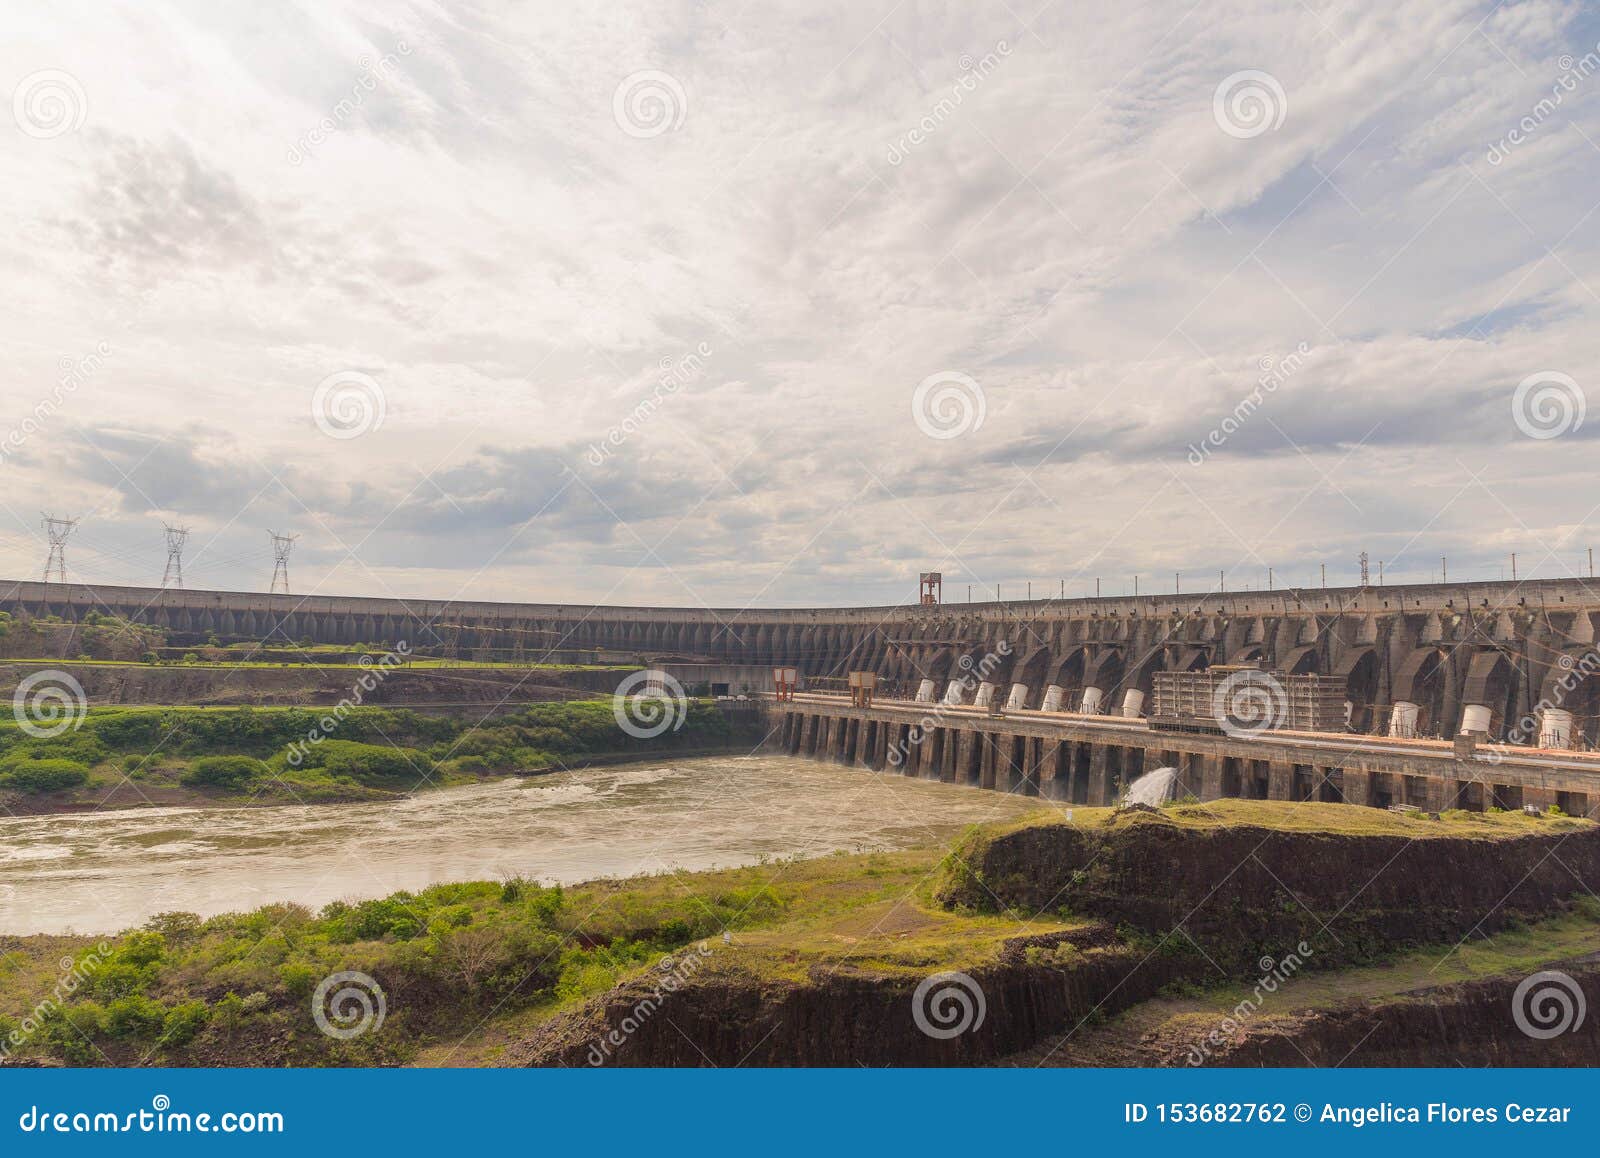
{"x":1416,"y":660}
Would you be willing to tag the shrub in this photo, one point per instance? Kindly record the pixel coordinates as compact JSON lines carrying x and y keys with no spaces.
{"x":366,"y":763}
{"x":135,"y":1016}
{"x":183,"y":1021}
{"x":44,"y":775}
{"x":223,"y":772}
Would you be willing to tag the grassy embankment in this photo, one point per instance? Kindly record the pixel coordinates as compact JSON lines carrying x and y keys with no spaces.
{"x":467,"y":969}
{"x":127,"y":756}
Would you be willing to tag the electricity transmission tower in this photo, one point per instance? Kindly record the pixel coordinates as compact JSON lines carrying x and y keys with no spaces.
{"x":281,"y":546}
{"x":176,"y":536}
{"x":57,"y":531}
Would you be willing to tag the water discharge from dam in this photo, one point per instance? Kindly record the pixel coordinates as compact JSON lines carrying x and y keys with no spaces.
{"x":1154,"y":788}
{"x":95,"y":872}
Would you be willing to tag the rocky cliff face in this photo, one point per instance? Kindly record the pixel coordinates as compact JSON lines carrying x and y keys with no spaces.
{"x":842,"y":1016}
{"x":1244,"y":893}
{"x":1176,"y":903}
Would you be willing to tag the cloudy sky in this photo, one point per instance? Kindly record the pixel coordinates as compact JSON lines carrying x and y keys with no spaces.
{"x":730,"y":304}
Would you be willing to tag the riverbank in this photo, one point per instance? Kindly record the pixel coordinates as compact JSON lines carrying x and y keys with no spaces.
{"x":115,"y":758}
{"x":812,"y":961}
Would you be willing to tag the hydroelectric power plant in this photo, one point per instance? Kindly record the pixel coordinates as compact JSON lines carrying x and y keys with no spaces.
{"x":1471,"y":696}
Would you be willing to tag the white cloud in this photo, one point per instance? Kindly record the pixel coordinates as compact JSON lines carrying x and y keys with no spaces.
{"x":439,"y":196}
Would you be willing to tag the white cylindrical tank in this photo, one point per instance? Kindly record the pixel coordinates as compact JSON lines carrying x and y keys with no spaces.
{"x":954,"y":693}
{"x":1133,"y":703}
{"x":985,"y":696}
{"x":925,"y":692}
{"x":1403,"y":718}
{"x":1052,"y":698}
{"x":1018,"y":697}
{"x":1474,"y":718}
{"x":1555,"y":728}
{"x":1091,"y":701}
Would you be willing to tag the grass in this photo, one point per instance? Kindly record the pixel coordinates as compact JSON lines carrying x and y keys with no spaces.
{"x":1284,"y":816}
{"x":454,"y":956}
{"x":470,"y":968}
{"x":1184,"y":1020}
{"x":323,"y":665}
{"x":312,"y":754}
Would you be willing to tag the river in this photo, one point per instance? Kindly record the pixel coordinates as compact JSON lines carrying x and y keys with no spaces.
{"x":99,"y":872}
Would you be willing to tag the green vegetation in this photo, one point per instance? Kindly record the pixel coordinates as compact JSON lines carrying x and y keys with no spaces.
{"x":310,"y":754}
{"x":223,"y":772}
{"x":96,"y":637}
{"x":43,"y":775}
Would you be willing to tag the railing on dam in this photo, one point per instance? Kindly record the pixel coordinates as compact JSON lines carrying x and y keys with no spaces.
{"x":1089,"y":759}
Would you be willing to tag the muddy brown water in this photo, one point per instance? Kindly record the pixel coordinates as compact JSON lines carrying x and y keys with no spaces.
{"x":104,"y":871}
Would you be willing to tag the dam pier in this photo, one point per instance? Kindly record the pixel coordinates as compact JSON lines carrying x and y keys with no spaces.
{"x":1089,"y":760}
